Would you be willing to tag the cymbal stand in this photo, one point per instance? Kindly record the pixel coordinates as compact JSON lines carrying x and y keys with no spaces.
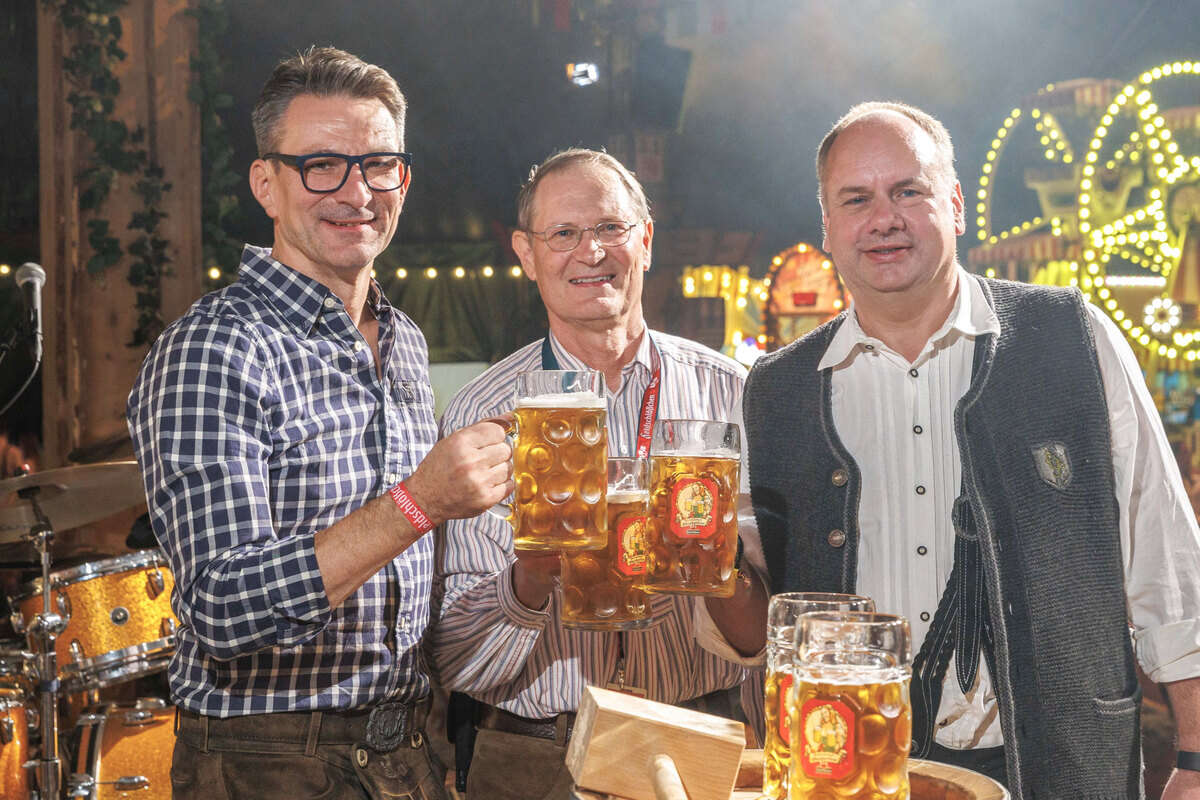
{"x":45,"y":628}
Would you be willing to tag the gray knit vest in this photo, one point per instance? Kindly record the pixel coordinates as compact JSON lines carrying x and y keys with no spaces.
{"x":1064,"y":668}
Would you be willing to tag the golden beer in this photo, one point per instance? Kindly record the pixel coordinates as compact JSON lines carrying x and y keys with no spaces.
{"x":559,"y":464}
{"x":602,"y":589}
{"x":783,"y":612}
{"x":851,"y":717}
{"x":849,"y":740}
{"x":777,"y":752}
{"x":693,"y":504}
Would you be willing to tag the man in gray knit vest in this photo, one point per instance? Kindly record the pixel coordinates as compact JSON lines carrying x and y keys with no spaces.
{"x":984,"y":458}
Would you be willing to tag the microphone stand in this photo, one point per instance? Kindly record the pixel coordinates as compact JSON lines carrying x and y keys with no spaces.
{"x":14,"y":339}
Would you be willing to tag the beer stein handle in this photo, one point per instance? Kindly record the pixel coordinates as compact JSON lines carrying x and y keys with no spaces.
{"x":505,"y":509}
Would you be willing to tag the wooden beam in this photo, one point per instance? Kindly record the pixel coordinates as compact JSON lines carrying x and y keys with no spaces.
{"x":89,"y":319}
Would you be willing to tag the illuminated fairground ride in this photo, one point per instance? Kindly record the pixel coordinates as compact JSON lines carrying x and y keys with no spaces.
{"x":803,"y":291}
{"x":800,"y":291}
{"x":1116,"y":172}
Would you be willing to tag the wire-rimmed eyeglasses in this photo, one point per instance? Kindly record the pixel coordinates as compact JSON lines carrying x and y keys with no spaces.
{"x":564,"y":238}
{"x":324,"y":173}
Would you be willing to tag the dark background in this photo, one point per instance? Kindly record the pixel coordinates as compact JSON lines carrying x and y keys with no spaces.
{"x":488,"y":95}
{"x":756,"y":84}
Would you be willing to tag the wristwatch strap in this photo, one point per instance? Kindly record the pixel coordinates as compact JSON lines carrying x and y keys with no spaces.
{"x":1188,"y":759}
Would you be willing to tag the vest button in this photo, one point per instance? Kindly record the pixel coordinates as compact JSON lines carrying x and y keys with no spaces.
{"x":839,"y":477}
{"x":836,"y":538}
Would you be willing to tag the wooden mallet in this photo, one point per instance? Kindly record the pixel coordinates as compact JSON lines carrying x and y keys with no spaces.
{"x":638,"y":749}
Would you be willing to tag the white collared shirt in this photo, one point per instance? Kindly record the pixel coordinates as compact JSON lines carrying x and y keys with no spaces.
{"x":906,"y":537}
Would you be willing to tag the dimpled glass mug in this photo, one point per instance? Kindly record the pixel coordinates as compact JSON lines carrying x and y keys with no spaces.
{"x":560,"y":462}
{"x":782,"y":613}
{"x":602,"y":589}
{"x":851,"y":723}
{"x":694,"y":471}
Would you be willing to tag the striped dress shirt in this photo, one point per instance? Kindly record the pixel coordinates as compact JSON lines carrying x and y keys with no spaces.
{"x":488,"y":644}
{"x":258,"y":419}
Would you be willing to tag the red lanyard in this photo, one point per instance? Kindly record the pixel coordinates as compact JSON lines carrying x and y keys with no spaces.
{"x":649,"y":410}
{"x":645,"y":430}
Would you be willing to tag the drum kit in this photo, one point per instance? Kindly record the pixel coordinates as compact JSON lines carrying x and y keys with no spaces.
{"x":77,"y":632}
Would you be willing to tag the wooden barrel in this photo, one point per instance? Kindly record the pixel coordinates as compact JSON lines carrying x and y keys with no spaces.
{"x":928,"y":780}
{"x":933,"y":781}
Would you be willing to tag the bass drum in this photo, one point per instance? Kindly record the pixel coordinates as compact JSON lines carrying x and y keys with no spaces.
{"x":15,"y":719}
{"x":124,"y":752}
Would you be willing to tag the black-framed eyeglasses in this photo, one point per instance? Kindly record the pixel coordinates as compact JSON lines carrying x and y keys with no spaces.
{"x":325,"y":173}
{"x":564,"y":238}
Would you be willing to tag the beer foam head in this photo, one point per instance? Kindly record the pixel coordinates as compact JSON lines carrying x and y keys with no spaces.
{"x":628,"y":496}
{"x":697,"y":450}
{"x":563,"y":400}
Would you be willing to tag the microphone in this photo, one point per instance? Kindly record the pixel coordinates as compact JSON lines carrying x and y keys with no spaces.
{"x":30,"y":277}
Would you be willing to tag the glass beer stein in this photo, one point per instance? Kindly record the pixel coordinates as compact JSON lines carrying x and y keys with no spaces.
{"x":559,"y":462}
{"x":851,"y":716}
{"x":694,"y":469}
{"x":602,"y":589}
{"x":782,"y":613}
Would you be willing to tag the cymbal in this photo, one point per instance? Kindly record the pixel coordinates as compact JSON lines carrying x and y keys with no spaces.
{"x":70,"y":496}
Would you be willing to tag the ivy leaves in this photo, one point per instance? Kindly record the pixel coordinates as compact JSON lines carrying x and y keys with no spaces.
{"x":220,"y":206}
{"x":117,"y":152}
{"x":94,"y":29}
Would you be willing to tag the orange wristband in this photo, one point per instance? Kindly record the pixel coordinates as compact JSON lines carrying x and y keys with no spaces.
{"x":409,"y":508}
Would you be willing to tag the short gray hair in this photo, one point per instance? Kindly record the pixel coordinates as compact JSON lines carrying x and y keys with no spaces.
{"x":324,"y":72}
{"x":578,"y":156}
{"x":936,"y":130}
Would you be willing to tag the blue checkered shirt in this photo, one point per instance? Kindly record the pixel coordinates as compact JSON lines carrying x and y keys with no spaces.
{"x":258,"y":419}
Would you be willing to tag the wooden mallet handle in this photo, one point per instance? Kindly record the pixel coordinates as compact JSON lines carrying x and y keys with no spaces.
{"x":665,"y":777}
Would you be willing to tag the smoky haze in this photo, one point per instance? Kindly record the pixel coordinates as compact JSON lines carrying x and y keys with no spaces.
{"x":488,"y":94}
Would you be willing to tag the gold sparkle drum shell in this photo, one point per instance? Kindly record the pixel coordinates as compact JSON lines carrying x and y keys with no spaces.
{"x":124,"y":752}
{"x":119,"y":624}
{"x":16,"y":716}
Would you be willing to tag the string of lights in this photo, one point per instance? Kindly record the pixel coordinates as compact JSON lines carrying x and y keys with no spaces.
{"x":402,"y":273}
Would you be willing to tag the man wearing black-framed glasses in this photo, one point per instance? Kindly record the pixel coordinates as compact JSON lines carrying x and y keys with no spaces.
{"x":285,"y":431}
{"x":325,"y":173}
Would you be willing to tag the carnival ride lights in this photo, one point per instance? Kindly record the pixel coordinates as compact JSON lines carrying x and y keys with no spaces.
{"x":742,"y":295}
{"x":1131,"y":139}
{"x":801,"y":287}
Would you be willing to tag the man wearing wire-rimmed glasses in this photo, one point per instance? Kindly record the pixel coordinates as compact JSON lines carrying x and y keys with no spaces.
{"x":286,"y":435}
{"x":584,"y":236}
